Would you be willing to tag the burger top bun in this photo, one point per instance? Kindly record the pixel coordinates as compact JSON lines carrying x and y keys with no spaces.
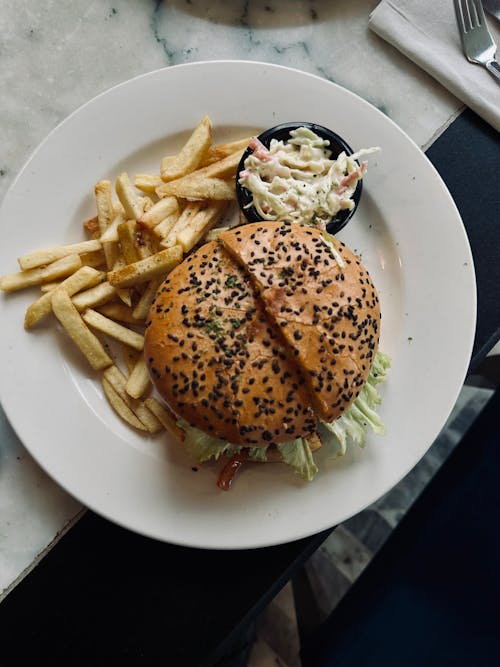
{"x":216,"y":359}
{"x":326,"y":307}
{"x":257,"y":336}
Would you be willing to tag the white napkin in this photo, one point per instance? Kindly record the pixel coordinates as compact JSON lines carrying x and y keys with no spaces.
{"x":426,"y":31}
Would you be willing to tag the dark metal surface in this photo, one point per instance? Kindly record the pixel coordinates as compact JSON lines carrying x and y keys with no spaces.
{"x":467,"y":156}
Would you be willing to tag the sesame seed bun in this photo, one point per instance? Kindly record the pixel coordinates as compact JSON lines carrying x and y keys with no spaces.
{"x":216,"y":359}
{"x":328,"y":314}
{"x":257,"y":336}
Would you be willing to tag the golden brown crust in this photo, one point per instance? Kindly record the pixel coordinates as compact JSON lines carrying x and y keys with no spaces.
{"x":329,"y":315}
{"x":216,"y":359}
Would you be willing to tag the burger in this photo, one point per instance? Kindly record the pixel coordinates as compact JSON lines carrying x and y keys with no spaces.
{"x":265,"y":342}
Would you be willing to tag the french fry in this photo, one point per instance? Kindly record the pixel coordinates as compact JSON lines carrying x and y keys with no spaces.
{"x":111,"y":254}
{"x":147,"y":182}
{"x":113,"y":329}
{"x":142,"y":307}
{"x":96,"y":259}
{"x":120,"y":406}
{"x":118,"y":381}
{"x":110,"y":234}
{"x":48,"y":287}
{"x":139,"y":382}
{"x":78,"y":331}
{"x":147,"y":269}
{"x":127,"y":235}
{"x":104,"y":203}
{"x":164,"y":228}
{"x":84,"y":277}
{"x":166,"y":417}
{"x":130,"y":357}
{"x":49,"y":255}
{"x":92,"y":225}
{"x":189,"y":212}
{"x":162,"y":209}
{"x":213,"y":234}
{"x":198,"y":226}
{"x":95,"y":296}
{"x":118,"y":311}
{"x":167,"y":161}
{"x":146,"y":244}
{"x":131,"y":202}
{"x":59,"y":269}
{"x":194,"y":188}
{"x":150,"y":421}
{"x":192,"y":153}
{"x":123,"y":293}
{"x":147,"y":202}
{"x":221,"y":151}
{"x":225,"y":169}
{"x":105,"y":215}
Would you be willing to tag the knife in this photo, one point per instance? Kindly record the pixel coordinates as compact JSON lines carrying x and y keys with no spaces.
{"x":492,"y":7}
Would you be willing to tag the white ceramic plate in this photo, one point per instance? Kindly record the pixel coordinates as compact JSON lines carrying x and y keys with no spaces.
{"x":407,"y":230}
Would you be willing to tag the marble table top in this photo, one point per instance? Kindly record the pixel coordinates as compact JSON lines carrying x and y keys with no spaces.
{"x":57,"y":55}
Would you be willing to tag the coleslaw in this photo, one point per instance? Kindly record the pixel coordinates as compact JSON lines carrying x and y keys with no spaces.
{"x":297,"y":181}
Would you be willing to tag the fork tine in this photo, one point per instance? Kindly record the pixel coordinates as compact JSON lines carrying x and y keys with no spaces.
{"x":467,"y":15}
{"x":478,"y":6}
{"x":462,"y":15}
{"x":474,"y":19}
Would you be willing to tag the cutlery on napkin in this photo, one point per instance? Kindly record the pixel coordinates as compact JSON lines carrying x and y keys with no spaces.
{"x":477,"y":42}
{"x":427,"y":33}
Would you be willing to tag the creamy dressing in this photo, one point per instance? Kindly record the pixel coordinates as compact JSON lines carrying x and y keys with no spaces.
{"x":296,"y":181}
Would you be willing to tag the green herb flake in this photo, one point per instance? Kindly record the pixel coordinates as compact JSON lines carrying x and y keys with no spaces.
{"x":214,"y":327}
{"x":287,"y":271}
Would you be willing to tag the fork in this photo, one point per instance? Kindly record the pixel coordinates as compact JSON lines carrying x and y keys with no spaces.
{"x":477,"y":42}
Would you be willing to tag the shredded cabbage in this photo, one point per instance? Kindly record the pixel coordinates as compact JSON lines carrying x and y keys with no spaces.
{"x":328,"y":241}
{"x":361,"y":414}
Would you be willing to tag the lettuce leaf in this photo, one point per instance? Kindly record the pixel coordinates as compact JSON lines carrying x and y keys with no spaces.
{"x":361,"y":414}
{"x":297,"y":454}
{"x":203,"y":447}
{"x":258,"y":454}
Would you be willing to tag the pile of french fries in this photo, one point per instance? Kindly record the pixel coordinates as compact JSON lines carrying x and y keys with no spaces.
{"x":104,"y":286}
